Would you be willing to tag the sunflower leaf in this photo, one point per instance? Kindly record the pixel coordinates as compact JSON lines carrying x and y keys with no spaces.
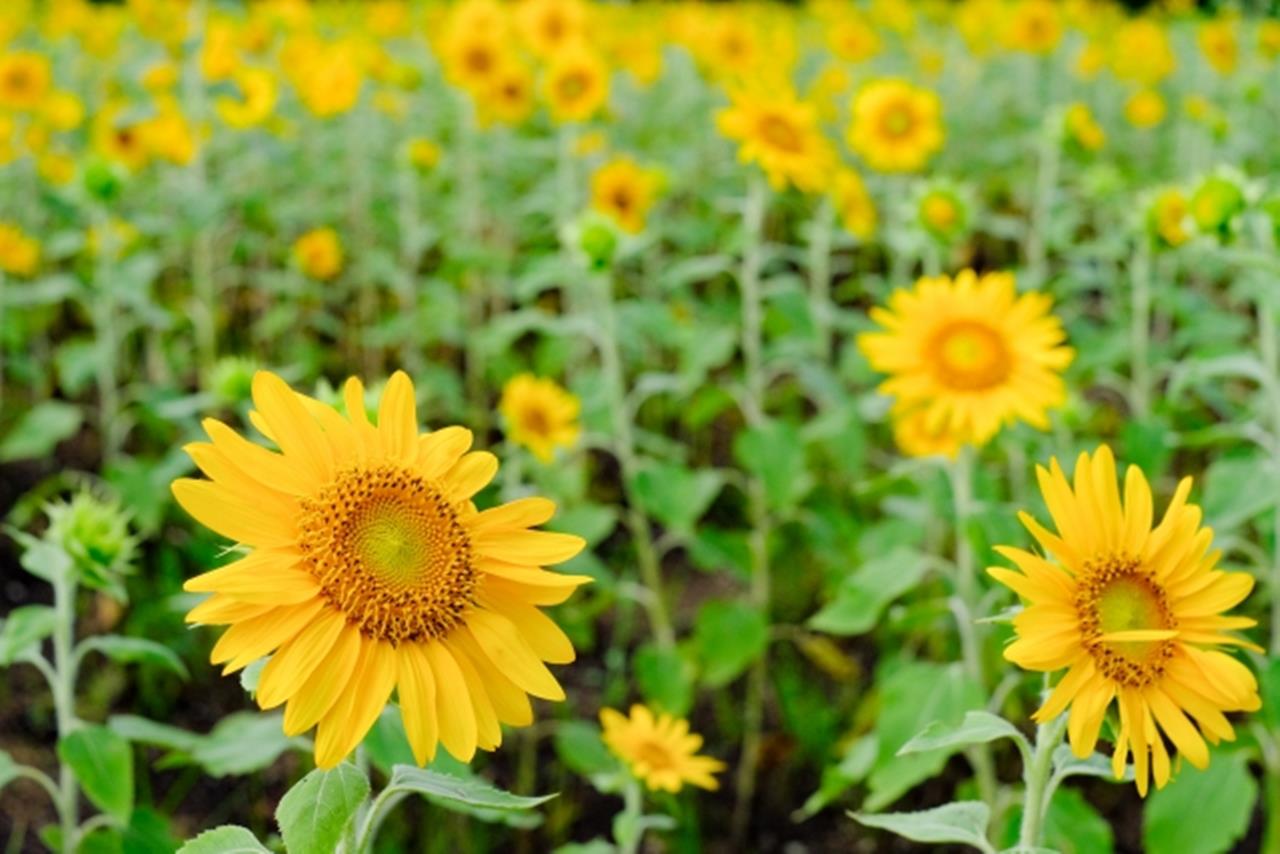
{"x":964,"y":822}
{"x":978,"y":727}
{"x":103,"y":763}
{"x":1225,"y":790}
{"x":228,"y":839}
{"x":314,"y":814}
{"x":447,"y":789}
{"x":24,"y":629}
{"x":128,"y":650}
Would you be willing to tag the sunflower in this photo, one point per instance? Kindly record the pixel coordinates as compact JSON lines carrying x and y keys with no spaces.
{"x":1144,"y":109}
{"x":549,"y":25}
{"x":659,"y":750}
{"x":256,"y":101}
{"x":1219,"y":45}
{"x":576,"y":84}
{"x":1035,"y":26}
{"x":371,"y":570}
{"x":624,"y":191}
{"x":120,"y":141}
{"x":24,"y":80}
{"x":1169,"y":217}
{"x":318,"y":253}
{"x":896,"y":127}
{"x":971,"y":352}
{"x":1135,"y":615}
{"x":508,"y":96}
{"x":781,"y":134}
{"x":1082,"y":128}
{"x":19,"y":252}
{"x":540,"y":415}
{"x":854,"y":205}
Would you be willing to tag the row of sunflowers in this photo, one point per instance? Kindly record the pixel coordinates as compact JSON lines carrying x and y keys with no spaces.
{"x":898,"y":385}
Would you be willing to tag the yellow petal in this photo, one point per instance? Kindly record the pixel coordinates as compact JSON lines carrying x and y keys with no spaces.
{"x":298,"y":658}
{"x":218,"y":509}
{"x":453,"y":703}
{"x":293,"y":428}
{"x":266,"y":576}
{"x":507,"y":649}
{"x":346,"y":724}
{"x":328,"y":682}
{"x":248,"y":641}
{"x":530,"y":548}
{"x":418,"y":702}
{"x":522,"y":513}
{"x":398,"y":418}
{"x":469,"y":475}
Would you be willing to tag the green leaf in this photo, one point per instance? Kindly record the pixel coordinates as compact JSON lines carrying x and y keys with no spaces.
{"x":103,"y":763}
{"x":978,"y":727}
{"x":8,"y":769}
{"x":387,"y":744}
{"x":472,"y":792}
{"x":39,"y":431}
{"x":1065,"y":764}
{"x":578,"y":744}
{"x":1269,"y":684}
{"x":675,"y":495}
{"x":728,"y":636}
{"x":104,"y":840}
{"x":664,"y":677}
{"x":228,"y":839}
{"x":127,"y":650}
{"x":1237,"y":489}
{"x":241,"y":743}
{"x":314,"y":814}
{"x":1073,"y":826}
{"x":774,"y":452}
{"x":863,"y":596}
{"x":24,"y":629}
{"x":1225,"y":791}
{"x":49,"y":561}
{"x":964,"y":822}
{"x":148,"y":833}
{"x":143,"y":731}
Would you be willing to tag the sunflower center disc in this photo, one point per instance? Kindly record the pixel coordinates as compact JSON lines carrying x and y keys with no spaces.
{"x":779,"y":133}
{"x":654,"y":755}
{"x":1116,"y":595}
{"x":969,"y":356}
{"x":390,"y":553}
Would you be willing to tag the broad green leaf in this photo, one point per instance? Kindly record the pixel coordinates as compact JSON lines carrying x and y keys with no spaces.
{"x":1065,"y":764}
{"x":472,"y":792}
{"x":42,"y":559}
{"x":314,"y":814}
{"x":864,"y":595}
{"x":728,"y":636}
{"x":143,"y":731}
{"x":1073,"y":826}
{"x":387,"y":744}
{"x":228,"y":839}
{"x":1236,"y":489}
{"x":579,"y":746}
{"x":23,"y":629}
{"x":978,"y":727}
{"x":128,"y":650}
{"x":774,"y":452}
{"x":251,"y":674}
{"x":148,"y":833}
{"x":964,"y":822}
{"x":104,"y":840}
{"x":675,"y":495}
{"x":103,"y":763}
{"x":39,"y":431}
{"x":1225,"y":791}
{"x":852,"y":768}
{"x":664,"y":678}
{"x":241,"y":743}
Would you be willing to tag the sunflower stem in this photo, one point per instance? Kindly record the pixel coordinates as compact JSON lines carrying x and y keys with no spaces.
{"x":64,"y":668}
{"x":1048,"y":158}
{"x":758,"y":541}
{"x":632,"y":824}
{"x":1036,"y":776}
{"x":1269,"y":350}
{"x":820,"y":305}
{"x":473,"y":285}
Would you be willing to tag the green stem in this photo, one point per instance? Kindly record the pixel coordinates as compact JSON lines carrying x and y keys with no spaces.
{"x":4,"y":339}
{"x":104,"y":320}
{"x":633,"y":809}
{"x":1036,"y":776}
{"x":64,"y":667}
{"x":476,"y":292}
{"x":624,"y":450}
{"x":358,"y":203}
{"x":1269,"y":350}
{"x":1140,"y":330}
{"x":1046,"y":180}
{"x":757,"y":506}
{"x":820,"y":305}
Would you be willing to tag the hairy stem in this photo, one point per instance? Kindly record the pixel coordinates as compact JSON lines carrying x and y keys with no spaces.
{"x":1036,"y":777}
{"x":64,"y":667}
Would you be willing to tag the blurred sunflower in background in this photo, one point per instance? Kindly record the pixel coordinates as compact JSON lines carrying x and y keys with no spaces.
{"x":370,"y":570}
{"x":854,"y":206}
{"x":896,"y":127}
{"x":19,"y":251}
{"x":576,"y":84}
{"x":318,"y":254}
{"x":624,"y":191}
{"x":780,"y":134}
{"x":25,"y":79}
{"x":659,"y":749}
{"x":971,"y":353}
{"x":1134,"y":613}
{"x":540,"y":415}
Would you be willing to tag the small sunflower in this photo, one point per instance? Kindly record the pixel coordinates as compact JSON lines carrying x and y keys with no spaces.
{"x":540,"y":415}
{"x":971,"y":352}
{"x":19,"y":252}
{"x":549,"y":25}
{"x":1145,"y":109}
{"x":853,"y":204}
{"x":781,"y":135}
{"x":912,"y":435}
{"x":659,"y":750}
{"x":1169,"y":219}
{"x":576,"y":85}
{"x":896,"y":127}
{"x":318,"y":253}
{"x":24,"y":80}
{"x":508,"y":97}
{"x":624,"y":191}
{"x":1134,"y":613}
{"x":1082,"y":128}
{"x":371,"y":570}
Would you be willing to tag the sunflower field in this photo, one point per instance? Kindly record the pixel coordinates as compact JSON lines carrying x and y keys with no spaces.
{"x":583,"y":427}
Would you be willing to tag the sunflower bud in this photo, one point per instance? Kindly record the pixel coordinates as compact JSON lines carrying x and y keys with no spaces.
{"x":103,"y":181}
{"x":94,"y":532}
{"x":594,"y":239}
{"x":230,"y":379}
{"x":1216,"y":205}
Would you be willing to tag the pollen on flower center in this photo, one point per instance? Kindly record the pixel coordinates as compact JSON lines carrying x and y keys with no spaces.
{"x":654,"y":756}
{"x":390,"y":553}
{"x":969,"y":356}
{"x":897,"y":122}
{"x":1116,"y":595}
{"x":780,"y":134}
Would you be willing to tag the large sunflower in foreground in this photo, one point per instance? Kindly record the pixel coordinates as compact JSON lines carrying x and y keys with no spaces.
{"x":371,"y":570}
{"x":1135,"y":614}
{"x":971,"y":353}
{"x":659,"y":749}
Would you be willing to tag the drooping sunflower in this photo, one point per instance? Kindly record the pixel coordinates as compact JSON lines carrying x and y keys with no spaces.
{"x":624,"y":191}
{"x":371,"y":570}
{"x":1134,"y":613}
{"x":659,"y":749}
{"x":540,"y":415}
{"x":781,"y":134}
{"x":896,"y":127}
{"x":971,"y":352}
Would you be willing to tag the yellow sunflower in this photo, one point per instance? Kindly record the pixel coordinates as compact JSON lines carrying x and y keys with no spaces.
{"x":540,"y":415}
{"x":659,"y":750}
{"x":896,"y":127}
{"x":1082,"y":128}
{"x":24,"y":80}
{"x":19,"y":252}
{"x":854,"y":205}
{"x":371,"y":570}
{"x":549,"y":25}
{"x":576,"y":84}
{"x":1135,"y":615}
{"x":913,"y":437}
{"x":508,"y":97}
{"x":971,"y":352}
{"x":780,"y":133}
{"x":624,"y":191}
{"x":318,"y":253}
{"x":1145,"y":109}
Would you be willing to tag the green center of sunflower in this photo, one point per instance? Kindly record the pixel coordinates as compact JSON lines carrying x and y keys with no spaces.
{"x":968,"y":355}
{"x":389,"y":552}
{"x":1115,"y":595}
{"x":897,"y":121}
